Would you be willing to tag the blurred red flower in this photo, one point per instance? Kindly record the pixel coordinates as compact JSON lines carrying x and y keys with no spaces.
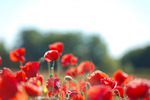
{"x":72,"y":71}
{"x":72,"y":93}
{"x":20,"y":95}
{"x":0,"y":60}
{"x":121,"y":77}
{"x":32,"y":90}
{"x":99,"y":92}
{"x":53,"y":85}
{"x":20,"y":76}
{"x":78,"y":97}
{"x":108,"y":81}
{"x":51,"y":55}
{"x":59,"y":46}
{"x":94,"y":78}
{"x":6,"y":71}
{"x":138,"y":88}
{"x":121,"y":91}
{"x":31,"y":69}
{"x":8,"y":85}
{"x":36,"y":80}
{"x":68,"y":59}
{"x":17,"y":55}
{"x":82,"y":85}
{"x":85,"y":67}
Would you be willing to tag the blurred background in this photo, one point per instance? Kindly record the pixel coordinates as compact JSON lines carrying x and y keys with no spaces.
{"x":113,"y":34}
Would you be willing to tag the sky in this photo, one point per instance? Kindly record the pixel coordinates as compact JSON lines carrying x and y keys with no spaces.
{"x":124,"y":24}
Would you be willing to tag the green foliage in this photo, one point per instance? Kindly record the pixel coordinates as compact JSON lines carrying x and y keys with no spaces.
{"x":5,"y":57}
{"x":139,"y":58}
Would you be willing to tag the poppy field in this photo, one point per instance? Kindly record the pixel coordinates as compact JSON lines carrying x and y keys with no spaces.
{"x":79,"y":82}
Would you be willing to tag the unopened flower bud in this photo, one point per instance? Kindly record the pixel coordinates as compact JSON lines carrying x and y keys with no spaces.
{"x":41,"y":59}
{"x":88,"y":85}
{"x":68,"y":78}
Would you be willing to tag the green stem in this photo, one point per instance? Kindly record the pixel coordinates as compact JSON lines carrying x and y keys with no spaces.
{"x":58,"y":65}
{"x":48,"y":63}
{"x":52,"y":68}
{"x":21,"y":64}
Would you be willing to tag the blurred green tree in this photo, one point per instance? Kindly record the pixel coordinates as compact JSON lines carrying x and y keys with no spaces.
{"x":139,"y":58}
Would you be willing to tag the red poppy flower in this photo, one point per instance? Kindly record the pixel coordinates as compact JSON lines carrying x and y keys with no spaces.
{"x":18,"y":55}
{"x":85,"y":67}
{"x":68,"y":59}
{"x":31,"y":69}
{"x":53,"y":86}
{"x":72,"y":71}
{"x":138,"y":88}
{"x":72,"y":93}
{"x":6,"y":71}
{"x":32,"y":90}
{"x":146,"y":98}
{"x":108,"y":81}
{"x":121,"y":91}
{"x":8,"y":85}
{"x":82,"y":85}
{"x":51,"y":55}
{"x":59,"y":46}
{"x":20,"y":95}
{"x":94,"y":78}
{"x":0,"y":60}
{"x":78,"y":97}
{"x":20,"y":76}
{"x":72,"y":86}
{"x":121,"y":77}
{"x":34,"y":80}
{"x":99,"y":92}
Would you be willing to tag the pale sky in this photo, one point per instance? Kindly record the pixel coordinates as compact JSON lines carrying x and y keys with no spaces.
{"x":124,"y":24}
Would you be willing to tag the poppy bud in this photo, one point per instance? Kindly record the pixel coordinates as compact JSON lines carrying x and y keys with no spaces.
{"x":68,"y":78}
{"x":88,"y":85}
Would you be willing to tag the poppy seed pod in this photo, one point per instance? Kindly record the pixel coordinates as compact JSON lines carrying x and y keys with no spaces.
{"x":68,"y":78}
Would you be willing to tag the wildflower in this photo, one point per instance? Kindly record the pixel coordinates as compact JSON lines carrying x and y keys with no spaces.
{"x":8,"y":85}
{"x":53,"y":86}
{"x":18,"y":55}
{"x":82,"y":85}
{"x":121,"y":77}
{"x":51,"y":55}
{"x":59,"y":46}
{"x":99,"y":92}
{"x":72,"y":86}
{"x":119,"y":90}
{"x":85,"y":67}
{"x":108,"y":81}
{"x":94,"y":78}
{"x":20,"y":76}
{"x":6,"y":71}
{"x":72,"y":93}
{"x":32,"y":90}
{"x":68,"y":59}
{"x":31,"y":69}
{"x":37,"y":80}
{"x":72,"y":71}
{"x":20,"y":95}
{"x":138,"y":88}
